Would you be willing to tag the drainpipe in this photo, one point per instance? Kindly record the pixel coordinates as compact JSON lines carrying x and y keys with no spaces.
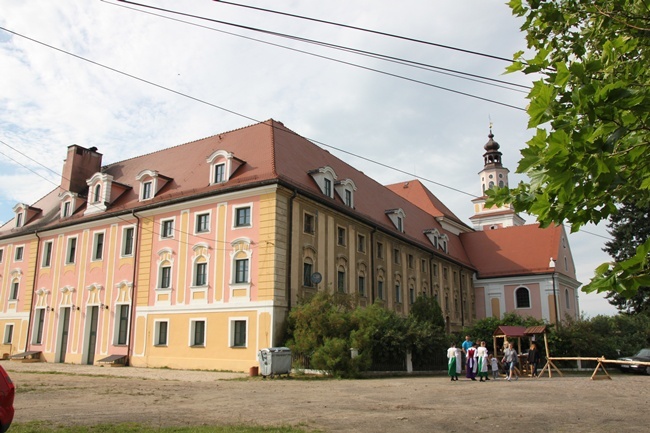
{"x":31,"y":308}
{"x":462,"y":308}
{"x":289,"y":248}
{"x":136,"y":242}
{"x":372,"y":265}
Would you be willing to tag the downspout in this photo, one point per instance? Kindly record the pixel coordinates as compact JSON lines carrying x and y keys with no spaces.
{"x":372,"y":265}
{"x":462,"y":306}
{"x":289,"y":248}
{"x":31,"y":308}
{"x":136,"y":242}
{"x":558,"y":322}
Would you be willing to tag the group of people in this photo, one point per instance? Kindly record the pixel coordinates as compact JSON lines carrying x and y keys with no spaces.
{"x":478,"y":361}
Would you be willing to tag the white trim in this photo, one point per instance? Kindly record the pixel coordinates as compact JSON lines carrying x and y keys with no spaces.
{"x":196,"y":221}
{"x":235,"y":208}
{"x":231,"y":332}
{"x":94,"y":246}
{"x":192,"y":331}
{"x":156,"y":333}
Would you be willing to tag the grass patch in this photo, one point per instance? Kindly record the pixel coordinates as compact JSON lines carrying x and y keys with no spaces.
{"x":43,"y":427}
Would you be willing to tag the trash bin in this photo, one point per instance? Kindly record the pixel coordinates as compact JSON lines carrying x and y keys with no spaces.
{"x":274,"y":361}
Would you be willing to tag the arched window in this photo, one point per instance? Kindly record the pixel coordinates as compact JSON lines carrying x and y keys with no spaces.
{"x":522,"y":297}
{"x":98,"y":190}
{"x":340,"y":280}
{"x":566,"y":298}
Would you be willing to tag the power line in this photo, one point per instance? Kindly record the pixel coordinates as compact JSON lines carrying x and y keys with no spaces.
{"x":476,"y":53}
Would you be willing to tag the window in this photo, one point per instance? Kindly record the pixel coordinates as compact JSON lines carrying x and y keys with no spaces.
{"x":165,"y":277}
{"x":308,"y":224}
{"x":19,"y":254}
{"x":243,"y":217}
{"x":380,"y":289}
{"x":9,"y":334}
{"x":197,"y":333}
{"x":98,"y":248}
{"x":127,"y":241}
{"x":160,"y":335}
{"x":361,"y":243}
{"x":40,"y":321}
{"x":398,"y":293}
{"x":66,"y":209}
{"x":19,"y":219}
{"x":97,"y":193}
{"x":241,"y":271}
{"x":522,"y":297}
{"x":396,"y":257}
{"x":411,"y":262}
{"x":167,"y":229}
{"x":348,"y":198}
{"x":341,"y":236}
{"x":72,"y":251}
{"x":238,"y":337}
{"x":219,"y":173}
{"x":146,"y":190}
{"x":362,"y":285}
{"x":411,"y":295}
{"x":340,"y":280}
{"x":15,"y":286}
{"x":328,"y":188}
{"x":435,"y":269}
{"x":122,"y":324}
{"x":47,"y":254}
{"x":567,"y":300}
{"x":445,"y":274}
{"x":380,"y":250}
{"x":423,"y":265}
{"x":400,"y":224}
{"x":2,"y":253}
{"x":201,"y":274}
{"x":307,"y":270}
{"x":202,"y":223}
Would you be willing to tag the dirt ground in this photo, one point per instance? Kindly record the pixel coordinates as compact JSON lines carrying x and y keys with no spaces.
{"x":92,"y":395}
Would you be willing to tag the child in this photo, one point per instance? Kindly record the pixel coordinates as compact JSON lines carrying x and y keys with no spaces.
{"x":495,"y":367}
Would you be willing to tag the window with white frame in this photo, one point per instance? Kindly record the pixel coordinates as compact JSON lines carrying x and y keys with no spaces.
{"x":39,"y":319}
{"x":98,"y":246}
{"x":327,"y":190}
{"x":324,"y":177}
{"x":47,"y":254}
{"x":348,"y":198}
{"x":18,"y":256}
{"x":65,"y":212}
{"x":161,"y":329}
{"x":200,"y":274}
{"x":167,"y":229}
{"x":8,"y":338}
{"x":223,"y":165}
{"x":19,"y":219}
{"x":241,"y":271}
{"x":97,"y":193}
{"x":238,"y":332}
{"x":15,"y":288}
{"x":522,"y":297}
{"x":202,"y":223}
{"x":71,"y":251}
{"x":127,"y":241}
{"x":122,"y":324}
{"x":219,"y":173}
{"x":197,"y":332}
{"x":397,"y":217}
{"x":165,"y":276}
{"x":146,"y":190}
{"x":242,"y":217}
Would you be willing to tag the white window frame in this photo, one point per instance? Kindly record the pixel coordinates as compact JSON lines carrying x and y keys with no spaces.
{"x":123,"y":242}
{"x":97,"y":193}
{"x":20,"y":216}
{"x":192,"y":332}
{"x":147,"y":190}
{"x":530,"y":300}
{"x":46,"y":255}
{"x":68,"y":250}
{"x":156,"y":333}
{"x":20,"y":248}
{"x":96,"y":235}
{"x":116,"y":330}
{"x":247,"y":277}
{"x":165,"y":264}
{"x":196,"y":222}
{"x":236,"y":209}
{"x":8,"y":336}
{"x":65,"y":209}
{"x":231,"y":332}
{"x":13,"y":294}
{"x":215,"y":171}
{"x":195,"y":274}
{"x":164,"y":221}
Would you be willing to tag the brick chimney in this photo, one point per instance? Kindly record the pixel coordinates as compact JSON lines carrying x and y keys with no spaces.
{"x":79,"y":166}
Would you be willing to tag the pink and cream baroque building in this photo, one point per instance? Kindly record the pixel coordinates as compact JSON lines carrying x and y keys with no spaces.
{"x":192,"y":256}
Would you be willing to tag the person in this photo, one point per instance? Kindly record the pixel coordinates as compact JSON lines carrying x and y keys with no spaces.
{"x":453,"y":366}
{"x":482,"y":362}
{"x":466,"y":346}
{"x":470,"y":364}
{"x":495,"y":367}
{"x":510,"y":359}
{"x":533,"y":359}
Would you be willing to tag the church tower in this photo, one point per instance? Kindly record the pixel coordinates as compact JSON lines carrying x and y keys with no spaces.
{"x":494,"y":174}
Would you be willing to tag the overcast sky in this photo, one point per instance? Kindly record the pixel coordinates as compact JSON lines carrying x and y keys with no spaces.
{"x":50,"y":100}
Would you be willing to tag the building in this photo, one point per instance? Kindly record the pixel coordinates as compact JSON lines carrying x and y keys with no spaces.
{"x":192,"y":256}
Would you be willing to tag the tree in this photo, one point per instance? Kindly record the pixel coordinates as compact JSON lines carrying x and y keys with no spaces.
{"x":629,"y":227}
{"x":591,"y":112}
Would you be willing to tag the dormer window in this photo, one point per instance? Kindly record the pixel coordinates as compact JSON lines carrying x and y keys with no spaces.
{"x":345,"y":189}
{"x":324,"y":178}
{"x":97,"y":193}
{"x":434,"y":237}
{"x":397,"y":217}
{"x":65,"y":212}
{"x":69,"y":203}
{"x":150,"y":183}
{"x":24,"y":214}
{"x":100,"y":185}
{"x":223,"y":165}
{"x":19,"y":219}
{"x":146,"y":190}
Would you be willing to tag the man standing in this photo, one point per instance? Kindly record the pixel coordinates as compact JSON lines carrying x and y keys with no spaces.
{"x":467,"y":344}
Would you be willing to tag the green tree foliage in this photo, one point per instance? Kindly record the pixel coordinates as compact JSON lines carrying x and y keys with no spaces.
{"x":590,"y":108}
{"x":629,"y":227}
{"x":483,"y":330}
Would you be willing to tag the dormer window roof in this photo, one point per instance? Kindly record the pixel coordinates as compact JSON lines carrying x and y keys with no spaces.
{"x":70,"y":202}
{"x":24,"y":214}
{"x":325,"y":178}
{"x":223,"y":165}
{"x":151,"y":182}
{"x":103,"y":192}
{"x":397,"y":216}
{"x":345,"y":189}
{"x":439,"y":241}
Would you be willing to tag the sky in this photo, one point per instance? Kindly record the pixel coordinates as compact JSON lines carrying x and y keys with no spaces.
{"x":150,"y":82}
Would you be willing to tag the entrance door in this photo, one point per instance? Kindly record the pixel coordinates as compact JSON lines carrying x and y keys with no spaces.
{"x":65,"y":326}
{"x":92,"y":335}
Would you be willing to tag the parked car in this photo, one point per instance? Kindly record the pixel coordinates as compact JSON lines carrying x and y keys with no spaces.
{"x":643,"y":356}
{"x":7,"y":393}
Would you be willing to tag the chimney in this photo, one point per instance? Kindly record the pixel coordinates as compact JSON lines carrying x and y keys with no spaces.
{"x":79,"y":166}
